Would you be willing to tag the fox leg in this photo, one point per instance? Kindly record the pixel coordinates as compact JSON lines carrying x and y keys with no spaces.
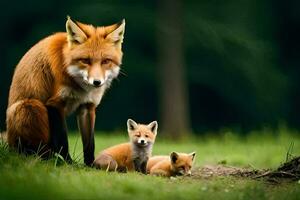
{"x":58,"y":140}
{"x":140,"y":166}
{"x":159,"y":172}
{"x":86,"y":122}
{"x":156,"y":170}
{"x":144,"y":167}
{"x":106,"y":162}
{"x":28,"y":127}
{"x":136,"y":165}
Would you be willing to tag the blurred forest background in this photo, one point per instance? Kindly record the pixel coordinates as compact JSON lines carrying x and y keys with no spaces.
{"x":194,"y":65}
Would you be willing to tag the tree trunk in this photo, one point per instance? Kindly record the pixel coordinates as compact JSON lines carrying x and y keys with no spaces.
{"x":173,"y":86}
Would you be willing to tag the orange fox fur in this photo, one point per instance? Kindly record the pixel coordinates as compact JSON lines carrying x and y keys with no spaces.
{"x":63,"y":73}
{"x":175,"y":164}
{"x":131,"y":156}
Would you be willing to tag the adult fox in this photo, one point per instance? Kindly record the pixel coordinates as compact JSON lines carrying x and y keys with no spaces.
{"x":62,"y":73}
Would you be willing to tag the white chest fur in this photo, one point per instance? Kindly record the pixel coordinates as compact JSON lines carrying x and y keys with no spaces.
{"x":75,"y":98}
{"x":141,"y":154}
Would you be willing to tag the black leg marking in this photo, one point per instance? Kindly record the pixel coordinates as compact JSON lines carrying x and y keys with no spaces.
{"x":89,"y":151}
{"x":58,"y":140}
{"x":137,"y":165}
{"x":144,"y":167}
{"x":86,"y":122}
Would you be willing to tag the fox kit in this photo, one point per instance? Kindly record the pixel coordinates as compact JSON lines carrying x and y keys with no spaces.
{"x":132,"y":156}
{"x":173,"y":165}
{"x":62,"y":73}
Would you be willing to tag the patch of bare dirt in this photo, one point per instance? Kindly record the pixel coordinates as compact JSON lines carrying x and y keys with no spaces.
{"x":289,"y":171}
{"x":209,"y":171}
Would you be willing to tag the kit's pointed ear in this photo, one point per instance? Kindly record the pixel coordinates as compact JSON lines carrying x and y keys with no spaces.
{"x":131,"y":125}
{"x":74,"y":33}
{"x":174,"y":157}
{"x":153,"y":126}
{"x":117,"y":34}
{"x":192,"y":155}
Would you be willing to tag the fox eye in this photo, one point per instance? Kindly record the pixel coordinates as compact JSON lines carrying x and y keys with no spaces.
{"x":86,"y":61}
{"x":137,"y":136}
{"x":105,"y":61}
{"x":146,"y":136}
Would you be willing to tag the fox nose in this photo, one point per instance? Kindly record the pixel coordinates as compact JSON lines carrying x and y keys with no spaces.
{"x":97,"y":83}
{"x":143,"y":141}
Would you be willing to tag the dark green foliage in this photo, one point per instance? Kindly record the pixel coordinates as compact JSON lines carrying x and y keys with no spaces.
{"x":239,"y":58}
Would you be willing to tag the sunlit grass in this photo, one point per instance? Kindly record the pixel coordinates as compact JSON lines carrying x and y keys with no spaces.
{"x":263,"y":149}
{"x":29,"y":178}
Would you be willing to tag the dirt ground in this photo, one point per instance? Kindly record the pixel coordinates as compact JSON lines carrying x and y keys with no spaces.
{"x":289,"y":171}
{"x":209,"y":171}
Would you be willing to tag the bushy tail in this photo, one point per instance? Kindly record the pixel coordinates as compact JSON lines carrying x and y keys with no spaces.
{"x":27,"y":125}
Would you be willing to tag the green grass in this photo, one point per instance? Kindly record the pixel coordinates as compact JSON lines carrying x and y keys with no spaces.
{"x":29,"y":178}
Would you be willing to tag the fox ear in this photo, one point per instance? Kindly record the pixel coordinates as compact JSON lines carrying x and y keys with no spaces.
{"x":75,"y":34}
{"x":192,"y":155}
{"x":117,"y":35}
{"x":131,"y":125}
{"x":174,"y":157}
{"x":153,"y":126}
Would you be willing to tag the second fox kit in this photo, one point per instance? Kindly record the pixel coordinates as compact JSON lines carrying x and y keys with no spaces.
{"x":131,"y":156}
{"x":175,"y":164}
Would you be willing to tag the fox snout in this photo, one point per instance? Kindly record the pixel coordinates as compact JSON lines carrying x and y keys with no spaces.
{"x":189,"y":173}
{"x":185,"y":172}
{"x":95,"y":82}
{"x":95,"y":77}
{"x":142,"y":141}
